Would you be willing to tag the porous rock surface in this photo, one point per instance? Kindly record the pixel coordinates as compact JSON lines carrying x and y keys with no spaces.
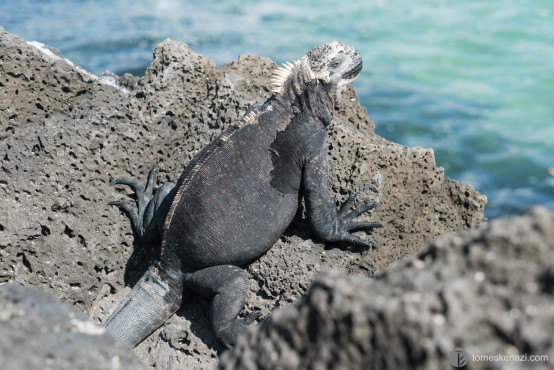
{"x":487,"y":291}
{"x":40,"y":332}
{"x":64,"y":134}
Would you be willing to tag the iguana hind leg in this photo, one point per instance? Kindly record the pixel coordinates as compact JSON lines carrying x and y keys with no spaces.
{"x":227,"y":287}
{"x":147,"y":221}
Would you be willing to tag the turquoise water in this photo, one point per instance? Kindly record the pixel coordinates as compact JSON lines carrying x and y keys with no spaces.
{"x":474,"y":80}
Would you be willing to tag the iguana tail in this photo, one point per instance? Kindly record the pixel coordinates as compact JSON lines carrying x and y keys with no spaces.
{"x":150,"y":303}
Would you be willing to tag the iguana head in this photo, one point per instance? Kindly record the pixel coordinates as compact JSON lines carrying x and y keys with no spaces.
{"x":333,"y":63}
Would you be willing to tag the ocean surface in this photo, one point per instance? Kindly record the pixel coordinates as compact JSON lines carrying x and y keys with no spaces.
{"x":474,"y":80}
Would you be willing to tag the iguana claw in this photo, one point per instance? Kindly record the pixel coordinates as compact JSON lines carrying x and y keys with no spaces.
{"x":145,"y":219}
{"x":252,"y":316}
{"x":345,"y":223}
{"x":143,"y":198}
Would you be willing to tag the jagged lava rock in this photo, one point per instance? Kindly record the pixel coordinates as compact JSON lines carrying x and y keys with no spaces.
{"x":65,"y":134}
{"x":488,"y":291}
{"x":40,"y":332}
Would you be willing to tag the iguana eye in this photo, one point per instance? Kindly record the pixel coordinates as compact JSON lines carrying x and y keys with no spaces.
{"x":335,"y":63}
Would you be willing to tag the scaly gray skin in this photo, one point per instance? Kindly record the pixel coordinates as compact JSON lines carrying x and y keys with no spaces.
{"x":236,"y":198}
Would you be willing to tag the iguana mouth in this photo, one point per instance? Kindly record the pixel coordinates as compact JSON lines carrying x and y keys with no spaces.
{"x":354,"y":71}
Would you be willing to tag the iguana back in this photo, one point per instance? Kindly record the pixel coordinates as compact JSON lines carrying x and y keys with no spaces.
{"x":225,"y":210}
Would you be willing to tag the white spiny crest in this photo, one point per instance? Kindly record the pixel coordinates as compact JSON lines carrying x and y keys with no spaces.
{"x":249,"y":119}
{"x":281,"y":74}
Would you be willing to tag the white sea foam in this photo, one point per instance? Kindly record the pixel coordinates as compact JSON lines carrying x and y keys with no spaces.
{"x":107,"y":79}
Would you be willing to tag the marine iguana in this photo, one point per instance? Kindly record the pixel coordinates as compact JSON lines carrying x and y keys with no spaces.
{"x":236,"y":198}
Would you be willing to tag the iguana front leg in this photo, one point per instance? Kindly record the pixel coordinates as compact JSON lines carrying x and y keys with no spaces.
{"x":328,"y":223}
{"x":152,"y":208}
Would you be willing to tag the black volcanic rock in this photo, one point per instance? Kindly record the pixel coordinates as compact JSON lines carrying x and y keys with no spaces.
{"x":488,"y":291}
{"x":64,"y":134}
{"x":40,"y":332}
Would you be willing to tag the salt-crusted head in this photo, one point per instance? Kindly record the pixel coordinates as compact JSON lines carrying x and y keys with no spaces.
{"x":332,"y":63}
